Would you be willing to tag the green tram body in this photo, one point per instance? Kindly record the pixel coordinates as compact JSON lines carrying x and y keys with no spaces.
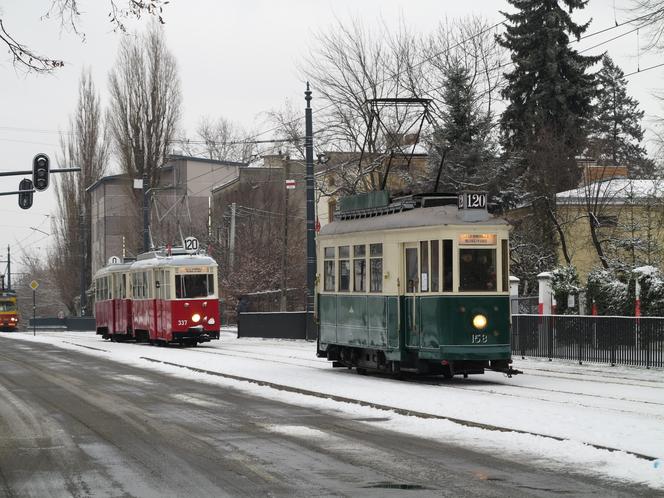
{"x":414,"y":311}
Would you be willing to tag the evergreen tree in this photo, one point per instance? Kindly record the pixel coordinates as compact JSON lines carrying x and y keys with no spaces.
{"x":464,"y":133}
{"x":616,"y":131}
{"x":549,"y":93}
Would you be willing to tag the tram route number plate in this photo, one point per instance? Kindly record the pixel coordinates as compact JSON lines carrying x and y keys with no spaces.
{"x":472,"y":200}
{"x":191,"y":245}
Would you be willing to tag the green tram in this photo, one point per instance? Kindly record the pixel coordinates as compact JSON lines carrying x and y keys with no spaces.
{"x":419,"y":284}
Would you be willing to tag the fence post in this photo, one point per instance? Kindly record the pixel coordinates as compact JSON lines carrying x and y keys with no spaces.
{"x":581,"y":337}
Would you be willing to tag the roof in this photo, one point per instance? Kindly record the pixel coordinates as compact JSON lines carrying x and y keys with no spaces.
{"x":413,"y":218}
{"x":615,"y":191}
{"x":181,"y":157}
{"x":106,"y":179}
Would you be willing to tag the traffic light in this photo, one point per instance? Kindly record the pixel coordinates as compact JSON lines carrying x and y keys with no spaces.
{"x":40,"y":172}
{"x":25,"y":196}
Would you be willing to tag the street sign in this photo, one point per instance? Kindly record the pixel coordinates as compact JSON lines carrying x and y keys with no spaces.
{"x":290,"y":184}
{"x":34,"y":284}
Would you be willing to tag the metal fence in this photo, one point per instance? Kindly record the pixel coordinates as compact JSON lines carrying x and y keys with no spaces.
{"x":617,"y":340}
{"x":523,"y":305}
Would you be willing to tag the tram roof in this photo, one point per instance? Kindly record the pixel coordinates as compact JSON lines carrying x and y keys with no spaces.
{"x":158,"y":261}
{"x":174,"y":260}
{"x":412,"y":218}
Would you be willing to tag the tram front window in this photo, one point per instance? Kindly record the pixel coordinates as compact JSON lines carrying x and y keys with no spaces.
{"x":7,"y":306}
{"x":194,"y":286}
{"x":477,"y":270}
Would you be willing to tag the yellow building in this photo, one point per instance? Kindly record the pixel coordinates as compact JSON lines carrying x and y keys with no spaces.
{"x":621,"y":218}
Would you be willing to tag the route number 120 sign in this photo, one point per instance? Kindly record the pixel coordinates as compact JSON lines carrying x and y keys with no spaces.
{"x":469,"y":200}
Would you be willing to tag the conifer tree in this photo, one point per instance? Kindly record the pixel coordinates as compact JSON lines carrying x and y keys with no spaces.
{"x":549,"y":92}
{"x":464,"y":134}
{"x":616,"y":131}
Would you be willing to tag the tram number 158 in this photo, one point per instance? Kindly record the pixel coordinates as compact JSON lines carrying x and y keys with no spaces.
{"x":478,"y":339}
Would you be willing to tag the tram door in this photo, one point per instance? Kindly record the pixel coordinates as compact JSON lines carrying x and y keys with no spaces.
{"x":411,"y":281}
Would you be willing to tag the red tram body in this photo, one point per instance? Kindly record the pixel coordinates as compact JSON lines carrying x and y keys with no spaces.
{"x":163,"y":297}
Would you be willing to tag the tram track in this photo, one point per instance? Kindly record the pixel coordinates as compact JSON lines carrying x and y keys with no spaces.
{"x":378,"y":406}
{"x":447,"y":383}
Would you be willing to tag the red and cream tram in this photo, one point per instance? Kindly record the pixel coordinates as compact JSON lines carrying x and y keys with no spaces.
{"x":162,"y":297}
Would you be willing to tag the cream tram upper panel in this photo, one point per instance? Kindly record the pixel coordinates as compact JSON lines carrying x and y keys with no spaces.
{"x":202,"y":263}
{"x":437,"y":216}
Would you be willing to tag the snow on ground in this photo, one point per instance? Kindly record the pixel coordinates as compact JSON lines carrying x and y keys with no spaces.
{"x":616,"y":407}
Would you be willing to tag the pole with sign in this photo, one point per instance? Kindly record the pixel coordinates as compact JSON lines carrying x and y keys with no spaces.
{"x":33,"y":285}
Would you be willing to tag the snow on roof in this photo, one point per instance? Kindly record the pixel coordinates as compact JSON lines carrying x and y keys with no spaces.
{"x":615,"y":191}
{"x":415,"y":149}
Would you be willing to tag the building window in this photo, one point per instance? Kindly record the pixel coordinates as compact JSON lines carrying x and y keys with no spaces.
{"x":344,"y":269}
{"x":359,"y":268}
{"x":328,"y":269}
{"x":376,"y":267}
{"x":331,"y":208}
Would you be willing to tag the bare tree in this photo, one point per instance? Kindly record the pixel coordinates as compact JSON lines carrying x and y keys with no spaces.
{"x":85,"y":145}
{"x":223,"y":140}
{"x":145,"y":103}
{"x":144,"y":111}
{"x":67,"y":12}
{"x":651,"y":15}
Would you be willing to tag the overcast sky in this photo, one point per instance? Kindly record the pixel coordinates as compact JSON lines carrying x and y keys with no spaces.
{"x":236,"y":59}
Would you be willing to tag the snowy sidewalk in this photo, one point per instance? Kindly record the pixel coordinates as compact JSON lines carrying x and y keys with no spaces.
{"x":615,"y":407}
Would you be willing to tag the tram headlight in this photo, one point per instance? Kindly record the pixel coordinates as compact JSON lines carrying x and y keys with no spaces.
{"x":195,"y":318}
{"x":479,"y":321}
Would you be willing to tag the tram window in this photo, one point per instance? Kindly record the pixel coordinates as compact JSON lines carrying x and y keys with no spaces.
{"x":7,"y":306}
{"x":344,"y":275}
{"x":424,"y":266}
{"x":448,"y":266}
{"x":411,"y":269}
{"x":477,"y":270}
{"x":359,"y":268}
{"x":435,"y":265}
{"x":328,"y":270}
{"x":166,"y":285}
{"x":376,"y":267}
{"x":194,"y":286}
{"x":144,"y":285}
{"x":505,"y":265}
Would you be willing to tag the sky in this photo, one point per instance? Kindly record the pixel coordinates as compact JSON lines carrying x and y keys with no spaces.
{"x":236,"y":59}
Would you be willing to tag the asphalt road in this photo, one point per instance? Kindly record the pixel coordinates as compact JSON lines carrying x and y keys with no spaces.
{"x":76,"y":425}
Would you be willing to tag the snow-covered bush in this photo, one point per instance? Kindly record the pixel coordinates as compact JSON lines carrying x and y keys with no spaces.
{"x":652,"y":290}
{"x":565,"y":281}
{"x":609,"y":291}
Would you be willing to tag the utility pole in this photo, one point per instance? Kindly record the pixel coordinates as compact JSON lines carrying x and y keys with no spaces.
{"x":231,"y":241}
{"x":311,"y":241}
{"x":146,"y":212}
{"x":284,"y":249}
{"x":82,"y":248}
{"x":9,"y":269}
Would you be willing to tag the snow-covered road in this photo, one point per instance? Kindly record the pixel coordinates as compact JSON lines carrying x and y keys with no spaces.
{"x":584,"y":405}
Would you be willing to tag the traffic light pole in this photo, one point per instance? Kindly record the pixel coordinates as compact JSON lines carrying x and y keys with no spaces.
{"x":29,"y":171}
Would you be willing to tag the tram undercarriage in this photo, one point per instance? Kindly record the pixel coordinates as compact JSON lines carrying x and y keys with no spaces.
{"x":365,"y":360}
